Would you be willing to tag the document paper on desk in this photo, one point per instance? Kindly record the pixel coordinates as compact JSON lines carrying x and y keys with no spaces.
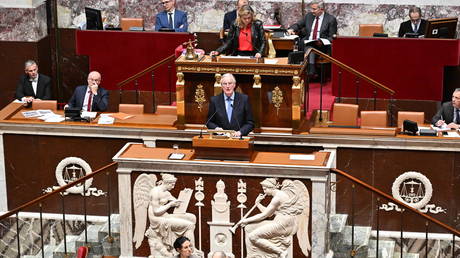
{"x":184,"y":197}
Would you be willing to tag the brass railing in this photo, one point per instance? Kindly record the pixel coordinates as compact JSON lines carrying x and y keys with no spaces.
{"x":147,"y":70}
{"x":60,"y":190}
{"x":377,"y":85}
{"x":403,"y":206}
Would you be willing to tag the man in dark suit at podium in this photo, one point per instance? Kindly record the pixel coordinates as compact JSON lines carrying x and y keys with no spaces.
{"x":90,"y":97}
{"x":416,"y":25}
{"x":449,"y":114}
{"x":320,"y":28}
{"x":171,"y":18}
{"x":33,"y":85}
{"x":230,"y":110}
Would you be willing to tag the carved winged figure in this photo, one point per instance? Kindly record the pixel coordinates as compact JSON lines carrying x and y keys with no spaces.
{"x":152,"y":200}
{"x":290,"y":207}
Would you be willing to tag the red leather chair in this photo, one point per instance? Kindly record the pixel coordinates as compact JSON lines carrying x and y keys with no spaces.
{"x":82,"y":252}
{"x":134,"y":109}
{"x":368,"y":30}
{"x":345,"y":114}
{"x":373,"y":119}
{"x":418,"y":117}
{"x":45,"y":104}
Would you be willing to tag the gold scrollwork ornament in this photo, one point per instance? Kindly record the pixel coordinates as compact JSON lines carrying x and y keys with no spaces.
{"x":200,"y":97}
{"x":277,"y":98}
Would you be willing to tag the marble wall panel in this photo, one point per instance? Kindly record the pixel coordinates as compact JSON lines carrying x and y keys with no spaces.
{"x":18,"y":24}
{"x":207,"y":15}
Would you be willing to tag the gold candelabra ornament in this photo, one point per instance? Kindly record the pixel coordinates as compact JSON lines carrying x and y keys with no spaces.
{"x":190,"y":49}
{"x":200,"y":97}
{"x":277,"y":98}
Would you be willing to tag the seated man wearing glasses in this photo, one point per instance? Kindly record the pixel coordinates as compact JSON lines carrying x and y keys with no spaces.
{"x":171,"y":19}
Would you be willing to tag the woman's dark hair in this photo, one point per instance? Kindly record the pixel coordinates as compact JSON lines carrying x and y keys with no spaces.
{"x":179,"y":241}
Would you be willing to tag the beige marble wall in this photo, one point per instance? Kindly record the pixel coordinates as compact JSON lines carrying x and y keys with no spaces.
{"x":17,"y":24}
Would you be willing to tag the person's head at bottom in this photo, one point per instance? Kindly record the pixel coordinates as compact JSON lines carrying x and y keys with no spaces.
{"x":219,"y":254}
{"x":183,"y":247}
{"x":228,"y":83}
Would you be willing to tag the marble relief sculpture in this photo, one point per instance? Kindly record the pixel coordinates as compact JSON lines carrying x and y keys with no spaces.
{"x":152,"y":200}
{"x":290,"y":206}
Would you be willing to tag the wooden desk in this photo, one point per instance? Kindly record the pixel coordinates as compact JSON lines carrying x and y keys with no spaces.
{"x":391,"y":61}
{"x":199,"y":80}
{"x":13,"y":114}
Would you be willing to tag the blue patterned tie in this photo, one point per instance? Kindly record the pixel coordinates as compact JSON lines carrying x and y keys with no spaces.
{"x":170,"y":21}
{"x":229,"y":109}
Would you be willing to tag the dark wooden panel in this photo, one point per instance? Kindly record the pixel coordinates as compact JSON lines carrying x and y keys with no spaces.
{"x":30,"y":164}
{"x":380,"y":168}
{"x":12,"y":57}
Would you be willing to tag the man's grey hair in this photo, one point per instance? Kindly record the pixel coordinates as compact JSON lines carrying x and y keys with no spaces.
{"x":229,"y":75}
{"x":219,"y":254}
{"x":318,"y":2}
{"x":29,"y":63}
{"x":457,"y":89}
{"x":415,"y":9}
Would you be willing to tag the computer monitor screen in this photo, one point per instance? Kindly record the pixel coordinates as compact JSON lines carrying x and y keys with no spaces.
{"x":445,"y":28}
{"x":93,"y":19}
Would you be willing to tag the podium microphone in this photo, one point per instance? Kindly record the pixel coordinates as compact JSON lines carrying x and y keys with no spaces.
{"x":209,"y":119}
{"x":238,"y":123}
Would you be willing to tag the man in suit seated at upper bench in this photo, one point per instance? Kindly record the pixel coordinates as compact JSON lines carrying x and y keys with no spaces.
{"x":449,"y":114}
{"x":416,"y":25}
{"x":90,"y":97}
{"x":171,"y":18}
{"x":33,"y":85}
{"x":320,"y":28}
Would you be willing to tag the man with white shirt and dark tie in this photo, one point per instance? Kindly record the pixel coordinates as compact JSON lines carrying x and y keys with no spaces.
{"x":230,"y":110}
{"x":171,"y":19}
{"x":90,"y":97}
{"x":449,"y":113}
{"x":32,"y":85}
{"x":320,"y":28}
{"x":415,"y":26}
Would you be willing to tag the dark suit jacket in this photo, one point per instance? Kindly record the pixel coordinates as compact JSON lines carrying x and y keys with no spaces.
{"x":24,"y":88}
{"x":446,"y":113}
{"x":180,"y":21}
{"x":229,"y":19}
{"x":100,"y":101}
{"x":241,"y":116}
{"x":406,"y":27}
{"x":328,"y":26}
{"x":258,"y":39}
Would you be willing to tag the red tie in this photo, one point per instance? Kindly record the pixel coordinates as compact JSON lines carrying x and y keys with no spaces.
{"x":90,"y":98}
{"x":315,"y":30}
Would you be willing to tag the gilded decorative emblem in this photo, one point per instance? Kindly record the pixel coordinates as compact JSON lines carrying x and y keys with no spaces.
{"x":277,"y":98}
{"x":200,"y":97}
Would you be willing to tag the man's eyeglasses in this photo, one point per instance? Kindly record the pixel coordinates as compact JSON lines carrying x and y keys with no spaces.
{"x":165,"y":2}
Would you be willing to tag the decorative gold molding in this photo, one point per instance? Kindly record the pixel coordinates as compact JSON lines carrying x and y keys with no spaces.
{"x":277,"y":98}
{"x":257,"y":82}
{"x":180,"y":79}
{"x":271,"y":47}
{"x":200,"y":97}
{"x":238,"y":70}
{"x":217,"y":85}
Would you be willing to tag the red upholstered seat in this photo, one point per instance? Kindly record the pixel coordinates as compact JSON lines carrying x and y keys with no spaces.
{"x":373,"y":119}
{"x":368,"y":30}
{"x":345,"y":114}
{"x":82,"y":252}
{"x":44,"y":104}
{"x":418,"y":117}
{"x":131,"y":108}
